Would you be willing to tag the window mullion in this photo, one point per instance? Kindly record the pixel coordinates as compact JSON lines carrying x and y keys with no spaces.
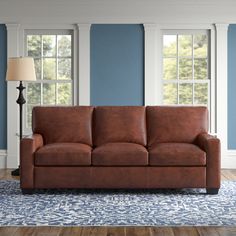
{"x":56,"y":86}
{"x":41,"y":74}
{"x":177,"y":68}
{"x":193,"y":78}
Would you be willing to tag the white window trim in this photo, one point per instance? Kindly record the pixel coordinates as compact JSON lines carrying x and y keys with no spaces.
{"x":84,"y":63}
{"x":221,"y":89}
{"x":185,"y":29}
{"x":218,"y":37}
{"x":15,"y":45}
{"x":153,"y":62}
{"x":12,"y":106}
{"x":73,"y":82}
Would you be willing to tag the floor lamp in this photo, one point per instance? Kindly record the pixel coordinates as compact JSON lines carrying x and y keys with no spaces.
{"x":20,"y":69}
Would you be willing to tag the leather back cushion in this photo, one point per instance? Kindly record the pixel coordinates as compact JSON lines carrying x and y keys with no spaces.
{"x":63,"y":124}
{"x":119,"y":124}
{"x":175,"y":124}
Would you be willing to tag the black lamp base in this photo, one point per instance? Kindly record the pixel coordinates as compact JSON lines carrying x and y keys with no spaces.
{"x":20,"y":101}
{"x":16,"y":172}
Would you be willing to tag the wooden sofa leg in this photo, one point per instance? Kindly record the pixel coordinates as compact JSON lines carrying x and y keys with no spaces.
{"x":27,"y":191}
{"x":212,"y":190}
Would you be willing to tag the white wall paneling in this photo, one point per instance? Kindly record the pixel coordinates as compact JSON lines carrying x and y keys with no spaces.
{"x":12,"y":106}
{"x":3,"y":160}
{"x":221,"y":88}
{"x":152,"y":73}
{"x":229,"y":161}
{"x":84,"y":63}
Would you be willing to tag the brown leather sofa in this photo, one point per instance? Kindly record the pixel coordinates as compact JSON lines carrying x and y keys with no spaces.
{"x":120,"y":147}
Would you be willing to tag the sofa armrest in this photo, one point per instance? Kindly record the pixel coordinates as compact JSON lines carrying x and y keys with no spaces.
{"x":211,"y":145}
{"x":28,"y":146}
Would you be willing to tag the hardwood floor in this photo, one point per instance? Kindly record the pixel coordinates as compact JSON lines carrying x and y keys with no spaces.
{"x":119,"y":231}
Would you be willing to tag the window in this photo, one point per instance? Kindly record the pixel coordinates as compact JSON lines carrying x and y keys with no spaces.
{"x":53,"y":56}
{"x":186,"y":68}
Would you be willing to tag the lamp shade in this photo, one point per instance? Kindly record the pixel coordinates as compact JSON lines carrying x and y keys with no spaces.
{"x":20,"y":69}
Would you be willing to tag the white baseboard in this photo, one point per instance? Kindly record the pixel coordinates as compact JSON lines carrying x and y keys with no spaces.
{"x":3,"y":159}
{"x":229,"y":161}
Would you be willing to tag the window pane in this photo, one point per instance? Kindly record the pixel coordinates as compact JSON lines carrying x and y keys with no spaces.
{"x":170,"y":94}
{"x":37,"y":65}
{"x":64,"y":93}
{"x":185,"y":94}
{"x":29,"y":116}
{"x":33,"y":93}
{"x":64,"y":69}
{"x":53,"y":63}
{"x":49,"y":69}
{"x":169,"y":45}
{"x":34,"y":45}
{"x":49,"y":94}
{"x":49,"y":45}
{"x":185,"y":45}
{"x":185,"y":59}
{"x":200,"y":68}
{"x":169,"y":68}
{"x":200,"y":45}
{"x":64,"y":45}
{"x":200,"y":94}
{"x":185,"y":69}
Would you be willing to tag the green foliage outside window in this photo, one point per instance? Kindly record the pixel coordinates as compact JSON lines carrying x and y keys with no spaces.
{"x":185,"y":69}
{"x":53,"y":65}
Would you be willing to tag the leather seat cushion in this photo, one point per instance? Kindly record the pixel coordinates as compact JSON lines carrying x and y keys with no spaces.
{"x":176,"y":154}
{"x":120,"y":154}
{"x":63,"y":154}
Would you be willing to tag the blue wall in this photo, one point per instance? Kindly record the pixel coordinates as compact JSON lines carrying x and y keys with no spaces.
{"x":117,"y":64}
{"x":232,"y":87}
{"x":3,"y":87}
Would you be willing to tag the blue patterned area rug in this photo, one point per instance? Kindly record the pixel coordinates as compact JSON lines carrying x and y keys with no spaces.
{"x":117,"y":208}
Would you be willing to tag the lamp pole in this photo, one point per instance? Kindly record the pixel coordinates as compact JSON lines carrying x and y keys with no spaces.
{"x":20,"y":69}
{"x":20,"y":101}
